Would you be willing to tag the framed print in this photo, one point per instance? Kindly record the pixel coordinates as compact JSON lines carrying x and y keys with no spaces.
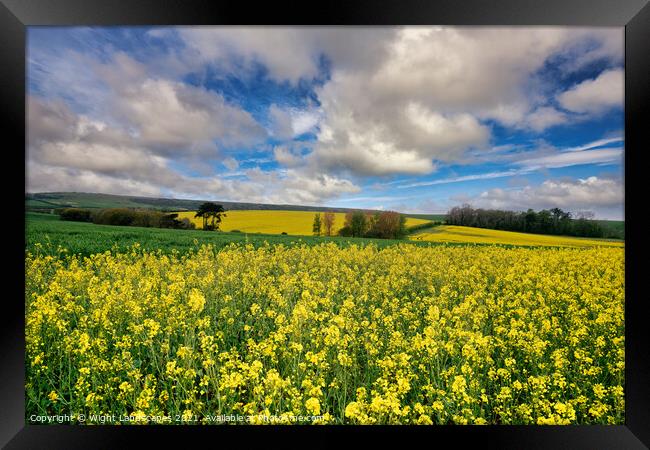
{"x":406,"y":221}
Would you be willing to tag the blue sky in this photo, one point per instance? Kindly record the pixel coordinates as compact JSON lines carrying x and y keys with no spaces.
{"x":414,"y":119}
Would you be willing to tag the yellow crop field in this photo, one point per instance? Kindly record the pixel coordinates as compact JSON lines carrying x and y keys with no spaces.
{"x":275,"y":221}
{"x":458,"y":234}
{"x":355,"y":335}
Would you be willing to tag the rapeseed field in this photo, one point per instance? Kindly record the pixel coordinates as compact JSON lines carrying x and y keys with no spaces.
{"x":356,"y":335}
{"x":275,"y":221}
{"x":459,"y":234}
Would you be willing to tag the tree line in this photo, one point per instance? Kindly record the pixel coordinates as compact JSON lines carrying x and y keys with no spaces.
{"x":211,"y":213}
{"x":126,"y":217}
{"x":383,"y":225}
{"x":553,"y":221}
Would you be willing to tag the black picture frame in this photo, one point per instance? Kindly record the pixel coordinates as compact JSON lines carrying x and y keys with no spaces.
{"x":634,"y":15}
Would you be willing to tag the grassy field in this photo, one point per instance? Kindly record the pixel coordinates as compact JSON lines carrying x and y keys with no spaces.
{"x":87,"y":238}
{"x":429,"y":217}
{"x":457,"y":234}
{"x":297,"y":223}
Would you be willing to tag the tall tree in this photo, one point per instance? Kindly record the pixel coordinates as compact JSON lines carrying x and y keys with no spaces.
{"x":202,"y":213}
{"x":316,"y":228}
{"x":328,"y":223}
{"x":212,"y":211}
{"x":390,"y":225}
{"x":357,"y":222}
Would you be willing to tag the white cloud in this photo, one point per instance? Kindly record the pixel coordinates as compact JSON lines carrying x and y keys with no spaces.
{"x":281,"y":124}
{"x":304,"y":121}
{"x":68,"y":152}
{"x":288,"y":123}
{"x":288,"y":53}
{"x":172,"y":116}
{"x":545,"y":117}
{"x":481,"y":176}
{"x":426,"y":99}
{"x":286,"y":157}
{"x":566,"y":159}
{"x":46,"y":178}
{"x":597,"y":95}
{"x":297,"y":187}
{"x":285,"y":54}
{"x":398,"y":101}
{"x":595,"y":144}
{"x":604,"y":196}
{"x":544,"y":157}
{"x":231,"y":163}
{"x":395,"y":96}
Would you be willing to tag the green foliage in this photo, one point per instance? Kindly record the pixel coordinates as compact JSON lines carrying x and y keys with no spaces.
{"x":553,"y":222}
{"x":316,"y":229}
{"x":126,"y":217}
{"x":358,"y":224}
{"x":423,"y":226}
{"x":432,"y":217}
{"x":212,"y":212}
{"x":382,"y":225}
{"x":76,"y":215}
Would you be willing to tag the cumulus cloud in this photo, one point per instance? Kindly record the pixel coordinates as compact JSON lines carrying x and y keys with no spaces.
{"x":386,"y":101}
{"x":70,"y":152}
{"x":596,"y":95}
{"x":400,"y":99}
{"x":288,"y":123}
{"x":426,"y":101}
{"x":293,"y":186}
{"x":287,"y":53}
{"x":59,"y":137}
{"x":170,"y":116}
{"x":46,"y":178}
{"x":287,"y":157}
{"x":545,"y":117}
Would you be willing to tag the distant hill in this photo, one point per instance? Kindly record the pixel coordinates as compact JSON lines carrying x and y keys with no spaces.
{"x":45,"y":202}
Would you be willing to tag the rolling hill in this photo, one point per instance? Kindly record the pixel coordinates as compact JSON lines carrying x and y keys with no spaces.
{"x":45,"y":202}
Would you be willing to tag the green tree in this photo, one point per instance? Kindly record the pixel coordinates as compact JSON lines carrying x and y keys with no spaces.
{"x":317,"y":225}
{"x":358,"y":223}
{"x":213,"y":212}
{"x":390,"y":225}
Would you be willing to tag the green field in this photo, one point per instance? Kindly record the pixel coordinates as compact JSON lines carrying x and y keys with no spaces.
{"x":87,"y":238}
{"x":47,"y":202}
{"x":431,"y":217}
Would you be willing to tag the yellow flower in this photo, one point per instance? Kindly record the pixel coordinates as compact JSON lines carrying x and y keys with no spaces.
{"x":313,"y":406}
{"x":441,"y":334}
{"x":196,"y":300}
